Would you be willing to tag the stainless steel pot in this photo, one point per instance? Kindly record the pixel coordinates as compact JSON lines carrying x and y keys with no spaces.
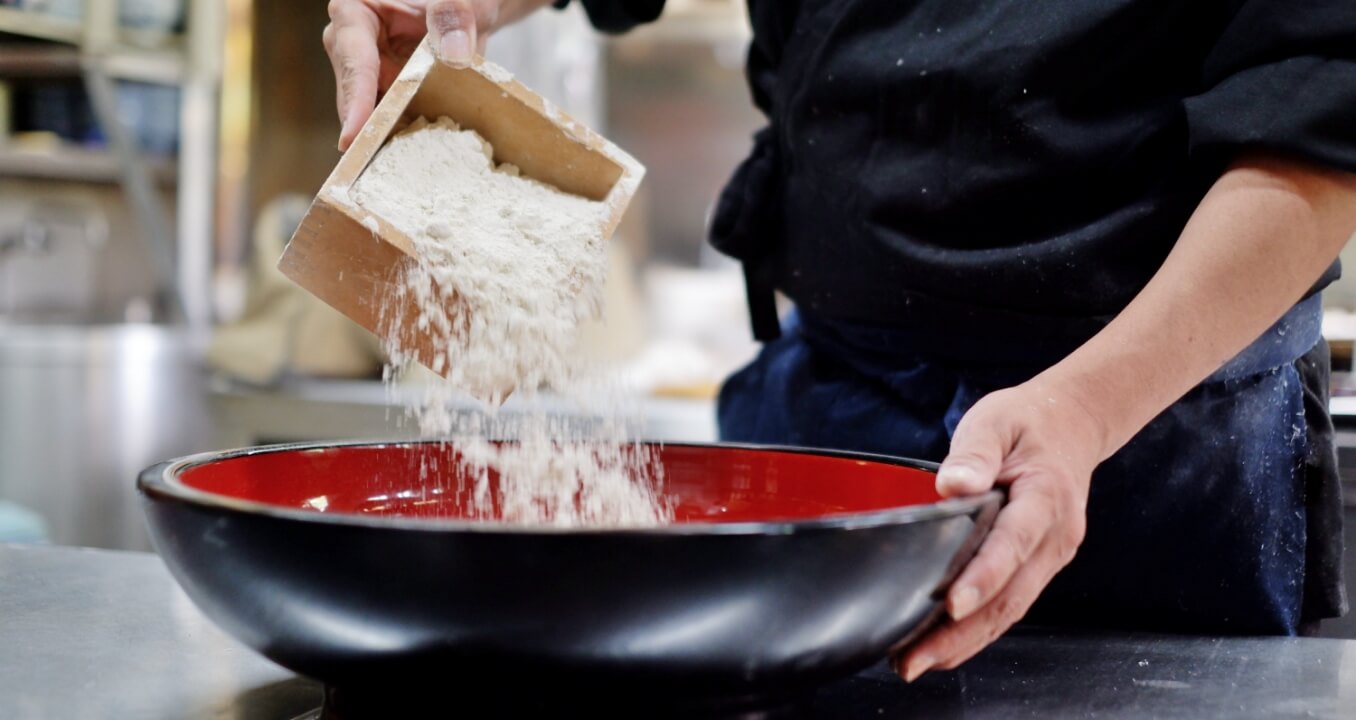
{"x":82,"y":410}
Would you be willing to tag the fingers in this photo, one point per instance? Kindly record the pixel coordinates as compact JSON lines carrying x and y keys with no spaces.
{"x":958,"y":641}
{"x":1011,"y":436}
{"x":976,"y":456}
{"x":1034,"y":537}
{"x":453,"y":26}
{"x":1021,"y":527}
{"x":351,"y":42}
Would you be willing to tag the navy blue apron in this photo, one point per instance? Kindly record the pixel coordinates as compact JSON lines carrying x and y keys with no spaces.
{"x":1224,"y":513}
{"x":1198,"y":524}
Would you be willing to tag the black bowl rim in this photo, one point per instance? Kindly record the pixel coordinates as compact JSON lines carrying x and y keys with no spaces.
{"x":161,"y":482}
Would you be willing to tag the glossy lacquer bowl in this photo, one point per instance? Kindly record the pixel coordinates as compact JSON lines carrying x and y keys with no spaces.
{"x":784,"y":569}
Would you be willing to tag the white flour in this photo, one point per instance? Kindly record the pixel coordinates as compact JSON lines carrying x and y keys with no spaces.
{"x":519,"y":263}
{"x":497,"y":73}
{"x":508,"y":268}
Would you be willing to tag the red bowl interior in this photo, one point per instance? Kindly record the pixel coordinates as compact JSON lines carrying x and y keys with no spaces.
{"x":705,"y":483}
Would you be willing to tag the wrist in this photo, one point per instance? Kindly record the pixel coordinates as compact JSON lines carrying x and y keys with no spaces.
{"x":1087,"y":401}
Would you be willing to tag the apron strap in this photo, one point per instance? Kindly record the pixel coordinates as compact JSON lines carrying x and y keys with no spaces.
{"x":747,"y":226}
{"x":760,"y":290}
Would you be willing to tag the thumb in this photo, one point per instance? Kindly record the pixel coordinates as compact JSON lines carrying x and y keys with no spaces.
{"x":452,"y":26}
{"x":976,"y":456}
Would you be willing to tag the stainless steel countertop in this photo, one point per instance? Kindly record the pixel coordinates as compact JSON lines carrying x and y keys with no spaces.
{"x":88,"y":634}
{"x":99,"y":634}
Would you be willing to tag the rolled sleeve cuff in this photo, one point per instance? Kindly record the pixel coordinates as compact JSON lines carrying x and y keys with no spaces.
{"x":1299,"y":106}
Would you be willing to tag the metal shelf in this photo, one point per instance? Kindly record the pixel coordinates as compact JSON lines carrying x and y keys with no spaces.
{"x":162,"y":66}
{"x":39,"y":25}
{"x":38,"y":60}
{"x":100,"y":51}
{"x":147,"y":56}
{"x":75,"y":164}
{"x":166,"y":67}
{"x":73,"y":31}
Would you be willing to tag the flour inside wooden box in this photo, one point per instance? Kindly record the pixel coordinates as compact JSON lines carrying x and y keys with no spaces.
{"x":507,"y":271}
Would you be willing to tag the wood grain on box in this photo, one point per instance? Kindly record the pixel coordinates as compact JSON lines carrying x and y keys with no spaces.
{"x":353,"y":260}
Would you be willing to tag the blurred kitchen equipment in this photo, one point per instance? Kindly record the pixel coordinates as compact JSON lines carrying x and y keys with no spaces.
{"x":58,"y":8}
{"x":20,"y":525}
{"x":350,"y":258}
{"x":284,"y":330}
{"x":48,"y":256}
{"x":81,"y":410}
{"x":161,"y":17}
{"x":1345,"y":627}
{"x":154,"y":21}
{"x":151,"y":113}
{"x":784,"y":569}
{"x":677,"y":99}
{"x":100,"y":44}
{"x":698,"y":321}
{"x":1344,"y":421}
{"x":6,"y":111}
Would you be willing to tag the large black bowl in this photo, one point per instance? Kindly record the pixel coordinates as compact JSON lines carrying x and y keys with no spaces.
{"x":785,"y":569}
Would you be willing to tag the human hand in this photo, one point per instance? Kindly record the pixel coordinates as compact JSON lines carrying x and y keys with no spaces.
{"x":368,"y":41}
{"x":1044,"y":444}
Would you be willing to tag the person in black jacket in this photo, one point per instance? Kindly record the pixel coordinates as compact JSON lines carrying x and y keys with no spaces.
{"x":1072,"y":247}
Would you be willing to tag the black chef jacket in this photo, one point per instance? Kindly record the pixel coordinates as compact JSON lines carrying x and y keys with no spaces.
{"x":1003,"y":177}
{"x":998,"y":179}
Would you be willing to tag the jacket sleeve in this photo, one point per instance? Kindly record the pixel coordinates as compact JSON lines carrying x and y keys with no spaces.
{"x":1281,"y":76}
{"x":618,"y":16}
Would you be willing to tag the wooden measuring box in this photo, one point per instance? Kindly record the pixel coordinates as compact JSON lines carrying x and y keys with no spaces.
{"x":352,"y":259}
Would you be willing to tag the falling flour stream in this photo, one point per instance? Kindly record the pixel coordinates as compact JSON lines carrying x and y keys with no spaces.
{"x":507,"y":270}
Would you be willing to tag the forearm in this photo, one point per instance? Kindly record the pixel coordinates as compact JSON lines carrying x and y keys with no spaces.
{"x":1261,"y":237}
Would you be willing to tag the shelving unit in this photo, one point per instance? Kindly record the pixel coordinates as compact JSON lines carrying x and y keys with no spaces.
{"x":161,"y":66}
{"x":38,"y":25}
{"x":28,"y":61}
{"x":97,"y":50}
{"x":76,"y":165}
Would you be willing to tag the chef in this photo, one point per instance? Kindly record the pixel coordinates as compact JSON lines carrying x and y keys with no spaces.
{"x":1069,"y":247}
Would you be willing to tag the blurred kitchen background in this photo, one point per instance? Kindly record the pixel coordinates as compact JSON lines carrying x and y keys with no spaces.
{"x":155,"y":155}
